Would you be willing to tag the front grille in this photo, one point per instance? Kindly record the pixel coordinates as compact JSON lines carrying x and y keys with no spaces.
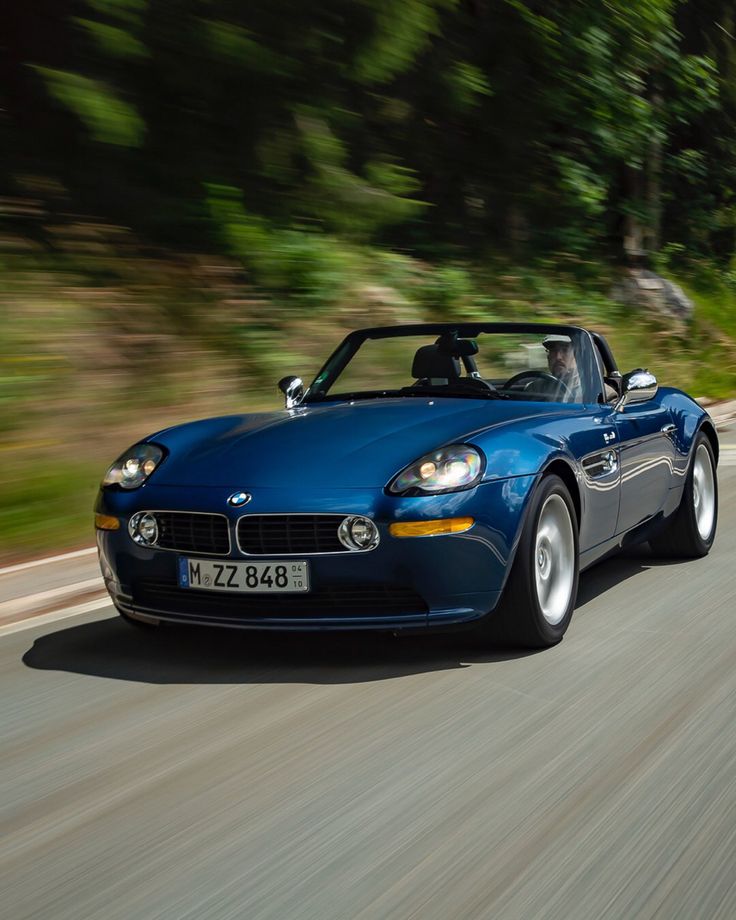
{"x":289,"y":534}
{"x":333,"y":601}
{"x":193,"y":533}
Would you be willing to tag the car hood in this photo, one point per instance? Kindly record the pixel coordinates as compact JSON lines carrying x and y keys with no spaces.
{"x":336,"y":445}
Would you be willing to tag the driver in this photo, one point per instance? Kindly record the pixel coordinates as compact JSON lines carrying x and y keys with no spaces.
{"x":562,"y":365}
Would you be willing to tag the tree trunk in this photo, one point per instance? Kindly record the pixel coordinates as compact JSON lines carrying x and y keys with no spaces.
{"x":633,"y":227}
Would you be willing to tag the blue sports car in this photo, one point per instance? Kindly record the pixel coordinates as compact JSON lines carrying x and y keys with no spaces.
{"x":430,"y":476}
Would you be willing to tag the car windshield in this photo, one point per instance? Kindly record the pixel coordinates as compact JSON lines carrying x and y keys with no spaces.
{"x":543,"y":365}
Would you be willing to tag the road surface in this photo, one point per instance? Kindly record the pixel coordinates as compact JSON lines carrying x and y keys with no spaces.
{"x":210,"y":775}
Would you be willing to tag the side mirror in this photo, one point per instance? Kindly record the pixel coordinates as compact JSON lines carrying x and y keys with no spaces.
{"x":637,"y":386}
{"x":293,"y":390}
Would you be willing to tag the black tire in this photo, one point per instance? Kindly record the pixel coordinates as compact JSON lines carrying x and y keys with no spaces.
{"x":519,"y":619}
{"x":682,"y":537}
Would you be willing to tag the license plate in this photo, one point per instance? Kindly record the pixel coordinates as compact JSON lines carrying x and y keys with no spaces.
{"x":244,"y":577}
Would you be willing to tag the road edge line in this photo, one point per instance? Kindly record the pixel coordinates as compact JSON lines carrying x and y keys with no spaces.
{"x":22,"y":566}
{"x":46,"y":618}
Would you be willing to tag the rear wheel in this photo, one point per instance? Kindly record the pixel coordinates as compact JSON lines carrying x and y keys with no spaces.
{"x":539,"y":598}
{"x":690,"y":533}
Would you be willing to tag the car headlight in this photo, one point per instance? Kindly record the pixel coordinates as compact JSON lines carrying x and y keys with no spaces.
{"x":134,"y":467}
{"x":143,"y":528}
{"x":358,"y":532}
{"x":448,"y":469}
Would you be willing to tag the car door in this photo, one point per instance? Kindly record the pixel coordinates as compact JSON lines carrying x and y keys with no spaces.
{"x":646,"y":456}
{"x":595,"y":443}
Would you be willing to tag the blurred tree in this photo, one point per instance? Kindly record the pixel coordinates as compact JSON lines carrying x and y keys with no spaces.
{"x":463,"y":124}
{"x":700,"y":209}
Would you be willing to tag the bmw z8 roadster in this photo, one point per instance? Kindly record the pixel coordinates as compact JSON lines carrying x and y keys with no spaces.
{"x":430,"y":476}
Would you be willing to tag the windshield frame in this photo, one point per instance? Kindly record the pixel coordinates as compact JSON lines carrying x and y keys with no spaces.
{"x":319,"y":389}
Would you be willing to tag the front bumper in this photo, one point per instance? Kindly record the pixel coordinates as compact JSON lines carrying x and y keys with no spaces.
{"x":404,"y":583}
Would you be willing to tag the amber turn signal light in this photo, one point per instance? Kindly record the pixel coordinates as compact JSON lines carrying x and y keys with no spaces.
{"x":106,"y":522}
{"x":431,"y":528}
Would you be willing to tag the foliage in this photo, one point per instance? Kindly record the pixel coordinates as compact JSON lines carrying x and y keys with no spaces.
{"x":107,"y":118}
{"x":565,"y":127}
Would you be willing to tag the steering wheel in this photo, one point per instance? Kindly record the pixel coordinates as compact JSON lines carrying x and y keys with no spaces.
{"x":540,"y":375}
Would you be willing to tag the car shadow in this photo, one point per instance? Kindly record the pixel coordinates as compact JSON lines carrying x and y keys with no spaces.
{"x":183,"y":655}
{"x":606,"y":575}
{"x":171,"y":655}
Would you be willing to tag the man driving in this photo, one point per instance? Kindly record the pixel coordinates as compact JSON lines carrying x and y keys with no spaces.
{"x":562,"y":365}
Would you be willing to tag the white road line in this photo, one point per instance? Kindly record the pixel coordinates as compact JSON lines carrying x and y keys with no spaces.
{"x":47,"y":618}
{"x":48,"y":560}
{"x":42,"y":598}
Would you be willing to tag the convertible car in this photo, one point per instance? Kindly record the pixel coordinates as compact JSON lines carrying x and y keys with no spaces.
{"x":430,"y":476}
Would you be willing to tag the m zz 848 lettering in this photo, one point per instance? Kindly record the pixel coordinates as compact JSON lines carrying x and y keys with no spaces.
{"x":246,"y":576}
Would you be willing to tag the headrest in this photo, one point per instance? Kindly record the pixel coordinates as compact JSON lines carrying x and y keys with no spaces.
{"x":450,"y":344}
{"x":430,"y":363}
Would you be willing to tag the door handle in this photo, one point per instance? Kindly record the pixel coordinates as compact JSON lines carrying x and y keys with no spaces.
{"x":669,"y":429}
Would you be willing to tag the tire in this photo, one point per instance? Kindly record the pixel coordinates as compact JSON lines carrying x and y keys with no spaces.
{"x":690,"y":532}
{"x":539,"y":598}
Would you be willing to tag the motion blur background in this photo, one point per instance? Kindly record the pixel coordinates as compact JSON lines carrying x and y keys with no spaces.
{"x":200,"y":196}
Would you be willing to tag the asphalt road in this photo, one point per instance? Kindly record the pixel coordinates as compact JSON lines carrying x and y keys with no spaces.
{"x":217,"y":775}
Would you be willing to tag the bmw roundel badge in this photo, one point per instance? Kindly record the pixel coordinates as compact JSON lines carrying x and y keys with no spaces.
{"x":237,"y":499}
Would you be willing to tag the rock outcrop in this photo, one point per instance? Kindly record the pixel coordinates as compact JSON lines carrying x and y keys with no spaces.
{"x":642,"y":288}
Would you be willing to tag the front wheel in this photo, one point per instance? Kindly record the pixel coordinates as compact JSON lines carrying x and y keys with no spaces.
{"x":539,"y":598}
{"x":690,"y":533}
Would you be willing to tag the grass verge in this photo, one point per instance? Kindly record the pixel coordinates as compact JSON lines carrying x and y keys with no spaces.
{"x":99,"y":351}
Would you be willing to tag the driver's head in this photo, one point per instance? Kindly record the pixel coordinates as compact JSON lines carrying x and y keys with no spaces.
{"x":560,"y":355}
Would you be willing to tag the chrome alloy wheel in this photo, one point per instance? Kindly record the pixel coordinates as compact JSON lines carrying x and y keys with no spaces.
{"x":704,"y":492}
{"x":554,"y":559}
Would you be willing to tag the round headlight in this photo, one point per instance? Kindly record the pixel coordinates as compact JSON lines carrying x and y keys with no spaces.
{"x":358,"y":533}
{"x":427,"y":469}
{"x":131,"y":468}
{"x":143,"y":528}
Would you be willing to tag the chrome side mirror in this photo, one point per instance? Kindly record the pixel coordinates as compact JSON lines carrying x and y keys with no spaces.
{"x":637,"y":386}
{"x":293,"y":390}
